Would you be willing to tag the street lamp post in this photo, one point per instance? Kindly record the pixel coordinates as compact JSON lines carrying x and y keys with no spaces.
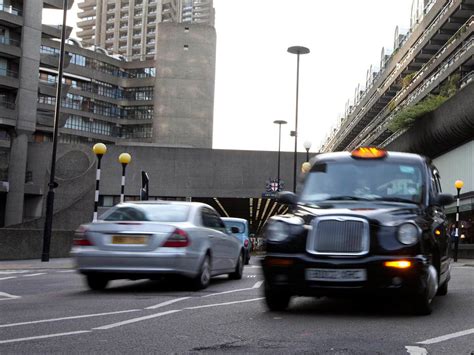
{"x":48,"y":221}
{"x":124,"y":159}
{"x":458,"y":184}
{"x":296,"y":50}
{"x":307,"y":146}
{"x":99,"y":150}
{"x":279,"y":123}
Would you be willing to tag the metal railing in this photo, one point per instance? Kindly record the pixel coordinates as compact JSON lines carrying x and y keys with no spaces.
{"x":11,"y":10}
{"x":8,"y":72}
{"x":423,"y":90}
{"x":426,"y":68}
{"x":400,"y":66}
{"x":9,"y":41}
{"x":7,"y":103}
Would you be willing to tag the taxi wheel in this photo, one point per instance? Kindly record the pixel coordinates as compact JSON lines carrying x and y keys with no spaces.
{"x":96,"y":283}
{"x":443,"y":289}
{"x":239,"y":269}
{"x":276,"y":300}
{"x":422,"y":304}
{"x":203,"y":279}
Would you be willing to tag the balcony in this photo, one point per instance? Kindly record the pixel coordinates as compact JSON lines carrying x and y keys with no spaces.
{"x":11,"y":10}
{"x":9,"y":78}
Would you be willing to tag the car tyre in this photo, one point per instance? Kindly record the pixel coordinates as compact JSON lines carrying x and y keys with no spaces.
{"x":96,"y":283}
{"x":276,"y":300}
{"x":422,"y":304}
{"x":247,"y":258}
{"x":239,"y":268}
{"x":443,"y":289}
{"x":202,"y":280}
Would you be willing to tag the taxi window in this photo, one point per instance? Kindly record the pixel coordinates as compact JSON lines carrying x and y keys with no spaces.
{"x":363,"y":180}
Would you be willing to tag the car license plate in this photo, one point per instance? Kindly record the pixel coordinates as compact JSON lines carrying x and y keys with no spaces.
{"x":337,"y":275}
{"x":129,"y":239}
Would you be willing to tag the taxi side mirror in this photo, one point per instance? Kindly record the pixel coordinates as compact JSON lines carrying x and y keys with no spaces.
{"x":234,"y":230}
{"x":443,"y":199}
{"x":287,"y":198}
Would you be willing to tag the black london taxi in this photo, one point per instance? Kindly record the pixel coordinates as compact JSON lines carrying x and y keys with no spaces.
{"x":364,"y":221}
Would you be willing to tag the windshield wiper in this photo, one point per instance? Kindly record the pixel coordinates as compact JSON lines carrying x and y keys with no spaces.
{"x":395,"y":199}
{"x":347,"y":198}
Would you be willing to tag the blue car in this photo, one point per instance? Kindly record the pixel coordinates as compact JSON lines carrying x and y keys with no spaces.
{"x":242,"y":225}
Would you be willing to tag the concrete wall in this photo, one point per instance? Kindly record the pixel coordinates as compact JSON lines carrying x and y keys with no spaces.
{"x":184,"y":86}
{"x":28,"y":243}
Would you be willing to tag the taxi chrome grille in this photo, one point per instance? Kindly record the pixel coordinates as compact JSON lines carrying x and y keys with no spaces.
{"x":339,"y":236}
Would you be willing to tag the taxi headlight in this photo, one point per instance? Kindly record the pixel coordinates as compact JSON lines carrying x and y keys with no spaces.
{"x":277,"y":231}
{"x":408,"y":233}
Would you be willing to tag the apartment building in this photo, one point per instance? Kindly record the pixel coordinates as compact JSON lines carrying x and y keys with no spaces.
{"x":130,"y":27}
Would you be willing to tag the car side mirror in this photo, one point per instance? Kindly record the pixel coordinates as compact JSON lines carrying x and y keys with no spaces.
{"x":287,"y":198}
{"x":443,"y":199}
{"x":234,"y":230}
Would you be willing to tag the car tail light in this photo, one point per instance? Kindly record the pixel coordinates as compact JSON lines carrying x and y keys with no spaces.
{"x":80,"y":238}
{"x":178,"y":239}
{"x":246,"y":243}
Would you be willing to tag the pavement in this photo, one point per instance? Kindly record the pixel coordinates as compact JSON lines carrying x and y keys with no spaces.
{"x":68,"y":263}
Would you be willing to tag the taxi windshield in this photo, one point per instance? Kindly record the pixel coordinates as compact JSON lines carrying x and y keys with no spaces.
{"x":363,"y":180}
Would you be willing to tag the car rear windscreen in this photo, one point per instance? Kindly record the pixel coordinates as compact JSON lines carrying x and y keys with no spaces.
{"x":151,"y":213}
{"x":239,"y":225}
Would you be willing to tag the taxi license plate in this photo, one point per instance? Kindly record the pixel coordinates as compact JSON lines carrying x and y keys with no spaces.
{"x":337,"y":275}
{"x":129,"y":239}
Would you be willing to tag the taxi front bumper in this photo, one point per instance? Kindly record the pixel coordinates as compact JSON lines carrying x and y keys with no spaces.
{"x":289,"y":274}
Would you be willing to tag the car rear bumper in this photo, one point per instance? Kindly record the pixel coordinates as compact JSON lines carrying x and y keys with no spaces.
{"x":288,"y":273}
{"x":127,"y":264}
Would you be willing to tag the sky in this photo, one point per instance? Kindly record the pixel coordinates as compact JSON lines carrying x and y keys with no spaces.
{"x":256,"y":76}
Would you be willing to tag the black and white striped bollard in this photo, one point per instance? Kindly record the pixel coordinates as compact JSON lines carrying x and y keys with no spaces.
{"x":99,"y":150}
{"x":458,"y":184}
{"x":124,"y":159}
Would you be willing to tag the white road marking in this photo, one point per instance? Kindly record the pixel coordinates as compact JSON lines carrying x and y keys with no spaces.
{"x":38,"y":274}
{"x":9,"y":272}
{"x":163,"y":304}
{"x":225,"y":303}
{"x":7,"y":278}
{"x":135,"y":320}
{"x":8,"y":296}
{"x":43,"y":336}
{"x":257,"y":284}
{"x":416,"y":350}
{"x":67,"y":271}
{"x":7,"y":325}
{"x":447,"y":337}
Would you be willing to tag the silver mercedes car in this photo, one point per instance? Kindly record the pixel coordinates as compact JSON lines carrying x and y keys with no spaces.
{"x":149,"y":239}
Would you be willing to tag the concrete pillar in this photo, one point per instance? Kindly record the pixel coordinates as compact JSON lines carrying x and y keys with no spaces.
{"x":26,"y":103}
{"x":16,"y":179}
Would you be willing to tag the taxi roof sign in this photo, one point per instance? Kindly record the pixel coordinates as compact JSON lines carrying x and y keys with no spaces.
{"x":368,"y":153}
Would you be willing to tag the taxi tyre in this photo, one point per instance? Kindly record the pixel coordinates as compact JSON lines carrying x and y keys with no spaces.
{"x":203,"y":278}
{"x":276,"y":300}
{"x":422,"y":304}
{"x":239,"y":268}
{"x":443,"y":289}
{"x":247,"y":257}
{"x":96,"y":282}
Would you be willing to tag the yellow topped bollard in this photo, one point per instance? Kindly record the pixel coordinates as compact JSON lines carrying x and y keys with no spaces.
{"x":124,"y":159}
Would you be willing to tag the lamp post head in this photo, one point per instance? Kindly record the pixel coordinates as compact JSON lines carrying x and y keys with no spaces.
{"x":125,"y":158}
{"x":459,"y":184}
{"x":298,"y":50}
{"x":307,"y":145}
{"x":99,"y":149}
{"x":280,"y":122}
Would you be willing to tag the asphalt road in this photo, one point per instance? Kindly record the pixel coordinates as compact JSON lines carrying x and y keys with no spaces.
{"x":49,"y":310}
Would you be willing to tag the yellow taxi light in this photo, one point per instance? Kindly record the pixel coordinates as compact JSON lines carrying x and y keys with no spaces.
{"x":368,"y":153}
{"x":399,"y":264}
{"x":437,"y":232}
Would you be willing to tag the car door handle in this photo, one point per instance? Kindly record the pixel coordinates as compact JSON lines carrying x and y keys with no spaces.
{"x":211,"y":236}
